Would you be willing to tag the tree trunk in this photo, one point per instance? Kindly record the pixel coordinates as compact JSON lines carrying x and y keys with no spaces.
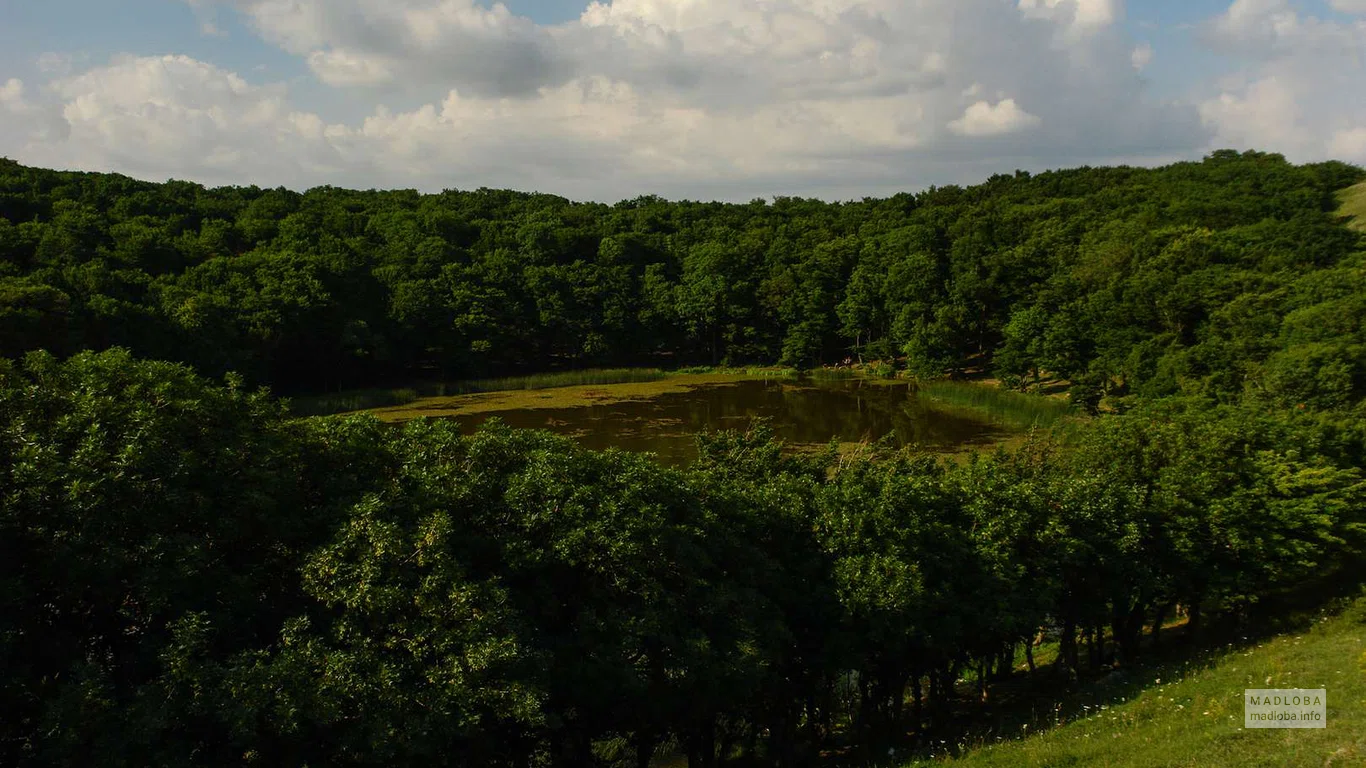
{"x":1126,"y":624}
{"x":575,"y":748}
{"x":1068,"y":655}
{"x":1005,"y":663}
{"x":898,"y":714}
{"x":702,"y":745}
{"x":865,"y":706}
{"x":982,"y":666}
{"x":645,"y":748}
{"x":917,"y":708}
{"x":726,"y":743}
{"x":1158,"y":621}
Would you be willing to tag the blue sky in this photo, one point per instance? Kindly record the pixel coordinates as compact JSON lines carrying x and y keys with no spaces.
{"x":701,"y":98}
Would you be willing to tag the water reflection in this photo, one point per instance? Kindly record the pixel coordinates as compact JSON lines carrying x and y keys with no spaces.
{"x":809,"y":413}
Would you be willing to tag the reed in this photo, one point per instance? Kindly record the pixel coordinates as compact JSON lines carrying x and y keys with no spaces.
{"x":590,"y":377}
{"x":351,"y":400}
{"x":832,"y":374}
{"x":1001,"y":405}
{"x":770,"y":372}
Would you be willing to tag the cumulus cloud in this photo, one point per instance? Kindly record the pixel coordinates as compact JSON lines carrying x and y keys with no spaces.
{"x":208,"y":23}
{"x":457,"y":43}
{"x":12,"y":93}
{"x":701,"y":98}
{"x":172,"y":116}
{"x":1348,"y":6}
{"x":1300,"y":91}
{"x":1081,"y":16}
{"x":54,"y":63}
{"x":1349,"y":142}
{"x":987,"y":119}
{"x":1142,"y":56}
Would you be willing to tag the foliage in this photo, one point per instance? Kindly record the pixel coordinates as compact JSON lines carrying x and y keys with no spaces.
{"x":191,"y":577}
{"x":1123,"y":280}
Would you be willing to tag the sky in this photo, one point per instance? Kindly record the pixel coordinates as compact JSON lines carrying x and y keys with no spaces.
{"x":698,"y":99}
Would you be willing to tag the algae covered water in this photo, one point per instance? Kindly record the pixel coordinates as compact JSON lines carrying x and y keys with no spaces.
{"x":806,"y":413}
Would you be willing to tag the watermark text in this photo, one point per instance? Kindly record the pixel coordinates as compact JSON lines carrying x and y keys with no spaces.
{"x":1285,"y":708}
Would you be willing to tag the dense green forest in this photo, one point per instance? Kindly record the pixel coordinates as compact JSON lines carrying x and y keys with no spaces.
{"x":1216,"y":277}
{"x":191,"y":576}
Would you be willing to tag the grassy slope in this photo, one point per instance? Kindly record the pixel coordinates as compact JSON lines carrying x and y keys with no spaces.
{"x":1198,"y":720}
{"x":1353,"y":201}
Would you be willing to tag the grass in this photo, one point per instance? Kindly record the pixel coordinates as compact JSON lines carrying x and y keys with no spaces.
{"x":1195,"y":718}
{"x":592,"y":377}
{"x":351,"y":400}
{"x":1353,"y":200}
{"x":762,"y":372}
{"x":367,"y":399}
{"x":560,"y":397}
{"x":833,"y":374}
{"x":1000,"y":405}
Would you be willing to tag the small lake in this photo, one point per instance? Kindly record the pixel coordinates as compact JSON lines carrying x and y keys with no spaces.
{"x":801,"y":413}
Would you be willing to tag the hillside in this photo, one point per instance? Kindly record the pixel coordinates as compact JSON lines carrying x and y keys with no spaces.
{"x":1197,"y":719}
{"x":1354,"y":205}
{"x":192,"y":576}
{"x":1148,"y":281}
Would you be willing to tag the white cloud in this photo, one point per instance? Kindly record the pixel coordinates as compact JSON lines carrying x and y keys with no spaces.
{"x":208,"y":23}
{"x":1350,"y":143}
{"x":54,"y":63}
{"x":26,"y":123}
{"x":1300,"y":90}
{"x":986,"y":119}
{"x":452,"y":43}
{"x":342,"y":69}
{"x":1081,"y":15}
{"x":1141,"y":56}
{"x":12,"y":93}
{"x":1348,"y":6}
{"x":172,"y":116}
{"x":699,"y":98}
{"x":13,"y":129}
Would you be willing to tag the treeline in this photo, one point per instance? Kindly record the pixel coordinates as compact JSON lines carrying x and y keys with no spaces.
{"x":190,"y":577}
{"x":1226,"y":277}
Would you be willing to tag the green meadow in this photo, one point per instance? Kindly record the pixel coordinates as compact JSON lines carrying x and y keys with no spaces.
{"x":1190,"y":713}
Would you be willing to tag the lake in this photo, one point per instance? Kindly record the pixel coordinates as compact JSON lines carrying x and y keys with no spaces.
{"x":663,"y":418}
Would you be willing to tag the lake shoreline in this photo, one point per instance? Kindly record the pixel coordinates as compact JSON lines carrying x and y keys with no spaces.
{"x":550,"y":398}
{"x":664,"y":415}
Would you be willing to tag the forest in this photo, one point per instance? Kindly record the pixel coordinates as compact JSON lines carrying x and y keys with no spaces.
{"x":192,"y":575}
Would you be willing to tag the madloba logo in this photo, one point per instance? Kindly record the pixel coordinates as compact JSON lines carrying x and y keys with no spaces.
{"x":1285,"y":708}
{"x":1286,"y":701}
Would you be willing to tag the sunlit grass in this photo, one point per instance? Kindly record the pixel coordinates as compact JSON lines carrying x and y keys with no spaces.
{"x":764,"y":372}
{"x":589,"y":377}
{"x":1193,"y":715}
{"x":365,"y":399}
{"x":1353,"y":200}
{"x":1001,"y":405}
